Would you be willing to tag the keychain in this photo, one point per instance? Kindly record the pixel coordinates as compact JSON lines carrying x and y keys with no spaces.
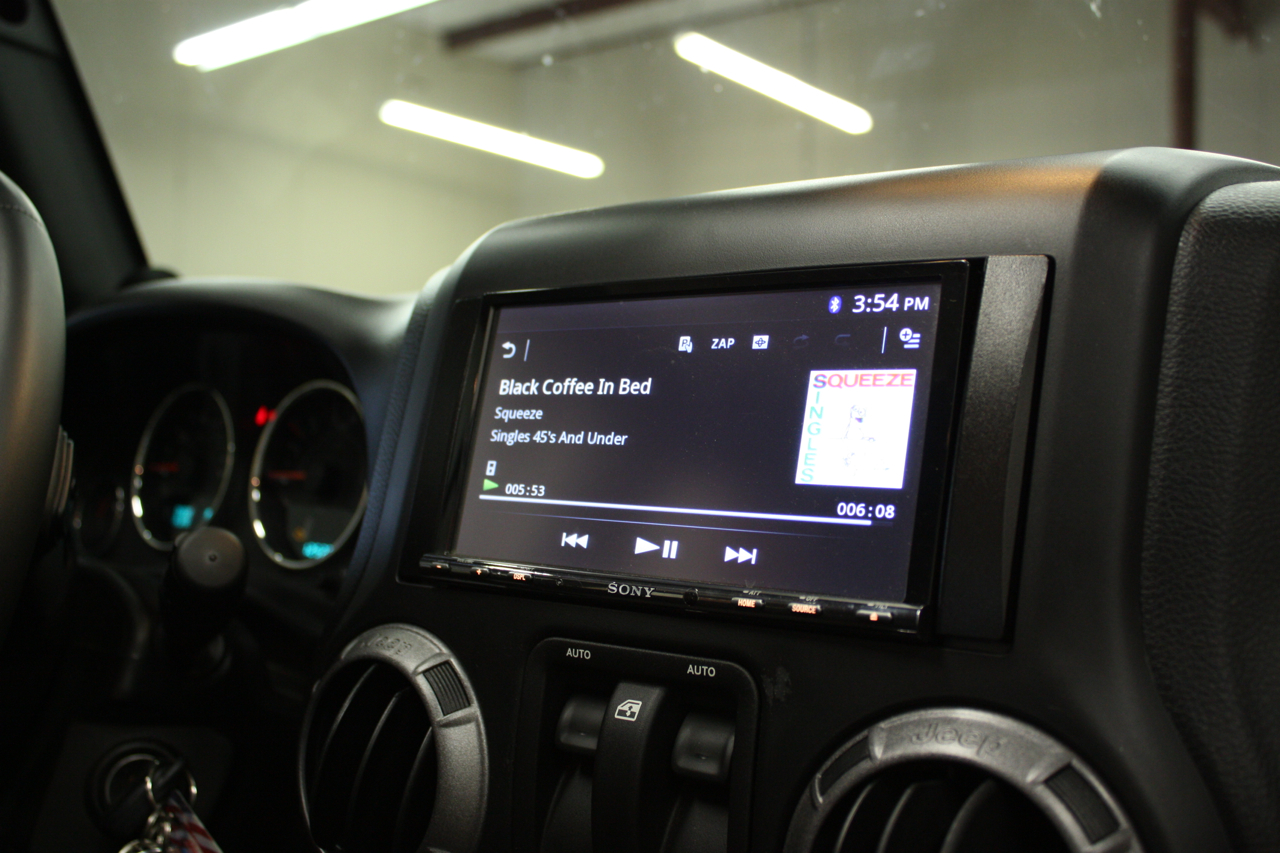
{"x":173,"y":826}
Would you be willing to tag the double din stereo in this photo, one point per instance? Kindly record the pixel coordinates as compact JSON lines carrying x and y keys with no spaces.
{"x":776,"y":445}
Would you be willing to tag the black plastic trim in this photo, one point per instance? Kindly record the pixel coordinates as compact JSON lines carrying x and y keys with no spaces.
{"x":987,"y":480}
{"x":50,"y":143}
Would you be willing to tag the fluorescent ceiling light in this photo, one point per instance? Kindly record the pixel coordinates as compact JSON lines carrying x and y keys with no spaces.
{"x":713,"y":56}
{"x":283,"y":28}
{"x":486,"y":137}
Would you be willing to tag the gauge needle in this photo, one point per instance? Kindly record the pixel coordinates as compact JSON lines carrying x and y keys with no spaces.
{"x":163,"y":467}
{"x":287,"y":476}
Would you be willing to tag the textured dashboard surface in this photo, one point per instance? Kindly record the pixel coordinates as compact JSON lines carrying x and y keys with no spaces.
{"x":1211,"y":563}
{"x":1076,"y":664}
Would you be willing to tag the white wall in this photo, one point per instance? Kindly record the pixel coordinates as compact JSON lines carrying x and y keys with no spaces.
{"x":279,"y":167}
{"x":1024,"y":80}
{"x":1239,"y":85}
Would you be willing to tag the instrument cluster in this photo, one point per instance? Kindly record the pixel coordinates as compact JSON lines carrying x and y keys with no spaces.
{"x":180,"y":425}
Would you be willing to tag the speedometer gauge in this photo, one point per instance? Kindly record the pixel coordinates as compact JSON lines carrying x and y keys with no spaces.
{"x":183,"y":465}
{"x":307,"y":489}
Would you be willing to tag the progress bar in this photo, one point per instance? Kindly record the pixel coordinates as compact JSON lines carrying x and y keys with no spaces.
{"x":680,"y":510}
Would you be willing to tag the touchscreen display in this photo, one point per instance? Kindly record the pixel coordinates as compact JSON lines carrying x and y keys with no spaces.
{"x":766,"y":441}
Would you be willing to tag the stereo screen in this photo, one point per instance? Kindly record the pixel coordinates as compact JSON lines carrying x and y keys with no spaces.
{"x":759,"y":441}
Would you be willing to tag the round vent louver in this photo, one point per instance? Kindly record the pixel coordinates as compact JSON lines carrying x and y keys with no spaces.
{"x":393,"y":750}
{"x":956,"y":781}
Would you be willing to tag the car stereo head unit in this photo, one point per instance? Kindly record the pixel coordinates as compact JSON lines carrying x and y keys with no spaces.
{"x":779,"y":447}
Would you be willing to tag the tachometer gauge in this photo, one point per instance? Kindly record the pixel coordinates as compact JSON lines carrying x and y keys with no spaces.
{"x":183,"y":465}
{"x":307,"y":488}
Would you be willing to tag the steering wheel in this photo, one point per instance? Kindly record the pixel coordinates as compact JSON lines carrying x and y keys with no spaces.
{"x":32,"y":353}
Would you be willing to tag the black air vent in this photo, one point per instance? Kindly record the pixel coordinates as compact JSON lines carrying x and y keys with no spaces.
{"x":379,"y":772}
{"x":936,"y":807}
{"x":957,"y":780}
{"x":370,"y":763}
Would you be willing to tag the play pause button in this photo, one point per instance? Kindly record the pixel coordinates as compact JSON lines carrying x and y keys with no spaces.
{"x":669,"y":547}
{"x":742,"y":555}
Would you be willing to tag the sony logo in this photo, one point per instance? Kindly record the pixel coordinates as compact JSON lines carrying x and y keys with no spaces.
{"x":630,"y":589}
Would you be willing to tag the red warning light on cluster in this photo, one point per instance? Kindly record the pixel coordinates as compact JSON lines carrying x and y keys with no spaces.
{"x":264,"y":416}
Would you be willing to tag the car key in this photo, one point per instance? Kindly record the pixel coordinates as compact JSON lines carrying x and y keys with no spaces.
{"x":173,"y":826}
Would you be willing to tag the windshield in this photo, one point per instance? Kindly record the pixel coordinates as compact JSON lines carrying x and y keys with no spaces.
{"x":363,"y":144}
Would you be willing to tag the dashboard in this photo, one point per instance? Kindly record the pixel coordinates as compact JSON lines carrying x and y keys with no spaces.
{"x":924,"y":511}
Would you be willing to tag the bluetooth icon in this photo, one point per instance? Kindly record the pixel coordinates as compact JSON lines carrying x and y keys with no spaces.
{"x":834,"y":305}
